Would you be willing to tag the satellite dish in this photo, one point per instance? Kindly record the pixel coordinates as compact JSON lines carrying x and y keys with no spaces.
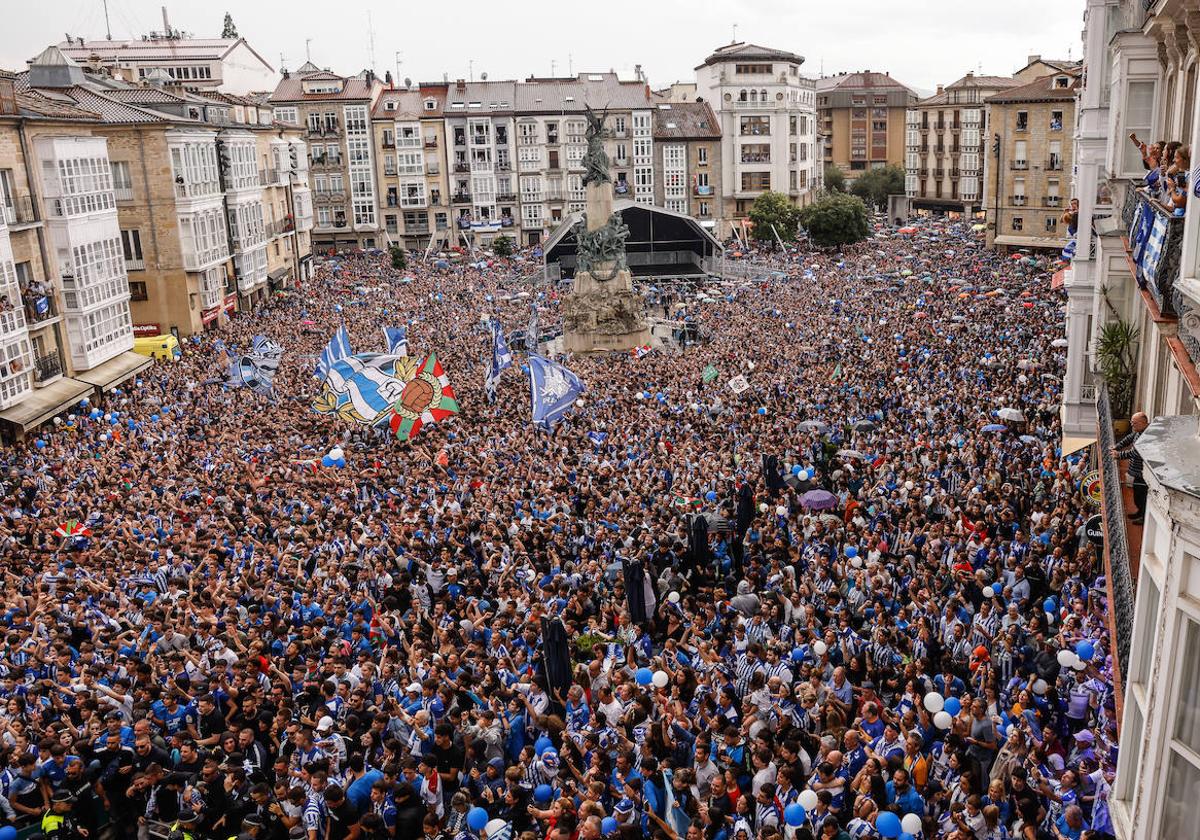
{"x":407,"y":82}
{"x":483,"y":76}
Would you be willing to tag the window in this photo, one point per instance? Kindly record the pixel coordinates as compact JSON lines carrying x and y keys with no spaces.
{"x":1139,"y":117}
{"x":702,"y":156}
{"x":752,"y":69}
{"x":288,"y":115}
{"x":1056,"y":118}
{"x":1019,"y":152}
{"x":1018,"y":223}
{"x":756,"y":181}
{"x":1056,"y":159}
{"x":389,"y":224}
{"x":703,"y":210}
{"x":122,"y":182}
{"x":131,"y":244}
{"x":756,"y":126}
{"x":619,"y":126}
{"x":1051,"y":224}
{"x":1022,"y":120}
{"x":138,"y":291}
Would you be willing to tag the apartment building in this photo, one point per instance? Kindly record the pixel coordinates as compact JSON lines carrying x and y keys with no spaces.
{"x":1027,"y":174}
{"x":687,"y":160}
{"x":65,"y":326}
{"x":410,"y":133}
{"x":481,"y":153}
{"x":862,"y":121}
{"x":946,"y":142}
{"x":230,"y":65}
{"x":335,"y":113}
{"x":1137,"y":260}
{"x":768,"y":121}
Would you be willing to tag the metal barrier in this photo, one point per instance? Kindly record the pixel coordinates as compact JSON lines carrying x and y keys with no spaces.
{"x":1116,"y":541}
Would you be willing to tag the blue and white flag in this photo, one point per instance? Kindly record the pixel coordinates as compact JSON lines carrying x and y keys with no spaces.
{"x":397,"y":340}
{"x":1153,"y":250}
{"x":337,"y":348}
{"x":531,"y":332}
{"x":501,"y":359}
{"x":362,"y":389}
{"x":257,"y":367}
{"x":553,"y":388}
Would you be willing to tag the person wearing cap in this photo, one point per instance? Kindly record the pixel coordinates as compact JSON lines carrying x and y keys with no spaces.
{"x":184,"y":827}
{"x":58,"y":823}
{"x":252,"y":828}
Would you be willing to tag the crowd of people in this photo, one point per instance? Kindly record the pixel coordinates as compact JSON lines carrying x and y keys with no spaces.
{"x":235,"y":641}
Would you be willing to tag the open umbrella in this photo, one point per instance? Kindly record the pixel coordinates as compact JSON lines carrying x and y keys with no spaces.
{"x":72,"y":528}
{"x":819,"y":500}
{"x":851,"y":453}
{"x":865,"y":426}
{"x":1059,"y":342}
{"x":1013,"y":414}
{"x":813,"y":426}
{"x":994,"y":427}
{"x":1030,"y":439}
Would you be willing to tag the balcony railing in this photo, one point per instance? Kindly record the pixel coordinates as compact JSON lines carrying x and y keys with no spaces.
{"x":1052,"y":201}
{"x":431,"y":142}
{"x":269,"y":177}
{"x":703,"y":189}
{"x":20,"y":212}
{"x":939,"y":172}
{"x":136,"y":264}
{"x":123,"y":193}
{"x":389,"y":170}
{"x":1116,"y":540}
{"x":417,"y":229}
{"x":756,"y":157}
{"x":461,"y":198}
{"x":1017,"y":200}
{"x":506,"y":197}
{"x":462,"y":166}
{"x":750,"y":105}
{"x":1054,"y":164}
{"x":1018,"y":164}
{"x":329,"y":195}
{"x":47,"y":366}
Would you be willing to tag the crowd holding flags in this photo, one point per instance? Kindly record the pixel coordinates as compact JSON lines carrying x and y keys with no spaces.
{"x":338,"y":348}
{"x":553,"y":388}
{"x":427,"y":398}
{"x":501,"y":359}
{"x":397,"y":340}
{"x":256,"y":368}
{"x":531,"y":332}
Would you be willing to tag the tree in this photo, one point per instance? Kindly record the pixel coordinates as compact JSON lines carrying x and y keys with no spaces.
{"x":230,"y":30}
{"x":875,"y":185}
{"x":773,"y":214}
{"x":835,"y":179}
{"x":399,"y":260}
{"x":502,"y":246}
{"x":835,"y":220}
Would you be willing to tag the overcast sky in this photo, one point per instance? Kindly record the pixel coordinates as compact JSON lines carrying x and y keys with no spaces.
{"x":920,"y":42}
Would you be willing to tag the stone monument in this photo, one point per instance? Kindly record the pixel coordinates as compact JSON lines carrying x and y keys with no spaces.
{"x":602,"y":312}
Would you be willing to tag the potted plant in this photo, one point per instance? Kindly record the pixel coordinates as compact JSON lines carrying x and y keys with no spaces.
{"x":1116,"y":357}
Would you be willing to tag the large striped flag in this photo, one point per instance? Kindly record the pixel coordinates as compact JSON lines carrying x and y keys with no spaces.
{"x":363,"y":388}
{"x":397,"y":340}
{"x":256,"y":368}
{"x":337,"y":348}
{"x":427,"y":398}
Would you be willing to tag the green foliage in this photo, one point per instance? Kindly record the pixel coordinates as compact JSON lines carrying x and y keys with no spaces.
{"x":1115,"y":351}
{"x":835,"y":179}
{"x":835,"y":220}
{"x":875,"y":185}
{"x":502,"y":246}
{"x":773,"y":213}
{"x":399,"y":259}
{"x":230,"y":30}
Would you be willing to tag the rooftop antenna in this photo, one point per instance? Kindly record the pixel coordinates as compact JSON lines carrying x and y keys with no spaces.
{"x":734,"y":41}
{"x":307,"y":49}
{"x":107,"y":26}
{"x":570,"y":64}
{"x":398,"y":63}
{"x":552,"y":66}
{"x":371,"y":39}
{"x":471,"y":69}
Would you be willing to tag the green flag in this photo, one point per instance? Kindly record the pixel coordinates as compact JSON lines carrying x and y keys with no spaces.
{"x":837,"y":372}
{"x":711,"y":373}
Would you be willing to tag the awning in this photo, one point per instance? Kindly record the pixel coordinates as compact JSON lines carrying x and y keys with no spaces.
{"x":280,"y":274}
{"x":43,"y":403}
{"x":1031,"y":241}
{"x":1071,"y":444}
{"x":1056,"y":282}
{"x":116,"y":370}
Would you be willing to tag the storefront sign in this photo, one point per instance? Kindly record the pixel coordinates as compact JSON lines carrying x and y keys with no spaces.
{"x":1094,"y":530}
{"x":146,"y":330}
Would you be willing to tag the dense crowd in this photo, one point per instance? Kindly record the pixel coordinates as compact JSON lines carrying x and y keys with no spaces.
{"x":240,"y":642}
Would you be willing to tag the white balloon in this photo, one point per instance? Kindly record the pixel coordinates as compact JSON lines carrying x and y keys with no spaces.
{"x":494,"y":827}
{"x":1039,"y":687}
{"x":336,"y":453}
{"x":673,"y":597}
{"x":911,"y":824}
{"x":820,"y":648}
{"x":934,"y":702}
{"x":989,"y":592}
{"x":942,"y":720}
{"x":1078,"y":664}
{"x":660,"y":679}
{"x":856,"y":562}
{"x":1066,"y":657}
{"x":908,"y":485}
{"x":807,"y":800}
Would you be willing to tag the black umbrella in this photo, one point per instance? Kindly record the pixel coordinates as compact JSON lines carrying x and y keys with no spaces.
{"x":638,"y":591}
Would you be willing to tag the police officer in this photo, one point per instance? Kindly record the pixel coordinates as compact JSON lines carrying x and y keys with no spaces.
{"x":184,"y":827}
{"x":58,"y":823}
{"x":252,"y":828}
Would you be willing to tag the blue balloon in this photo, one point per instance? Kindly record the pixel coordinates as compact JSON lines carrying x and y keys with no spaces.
{"x":1049,"y":606}
{"x":477,"y":818}
{"x":887,"y":824}
{"x":797,"y":654}
{"x":608,"y":825}
{"x":542,"y":744}
{"x":1085,"y":650}
{"x":339,"y":463}
{"x":794,"y":814}
{"x":762,"y":409}
{"x":8,"y":833}
{"x":130,"y":423}
{"x":907,"y":836}
{"x":953,"y":705}
{"x":84,"y":401}
{"x":644,"y":676}
{"x":710,"y":496}
{"x":154,"y":418}
{"x":797,"y":470}
{"x":326,"y":461}
{"x":542,"y":793}
{"x":851,"y":551}
{"x":40,"y":444}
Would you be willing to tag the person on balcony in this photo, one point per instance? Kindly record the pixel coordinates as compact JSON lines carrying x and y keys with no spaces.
{"x":1126,"y":450}
{"x":1070,"y":217}
{"x":1177,"y":179}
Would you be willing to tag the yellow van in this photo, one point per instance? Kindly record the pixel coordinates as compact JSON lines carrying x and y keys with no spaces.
{"x":162,"y":347}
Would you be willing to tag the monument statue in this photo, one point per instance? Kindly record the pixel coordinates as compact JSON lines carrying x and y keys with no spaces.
{"x":603,"y":312}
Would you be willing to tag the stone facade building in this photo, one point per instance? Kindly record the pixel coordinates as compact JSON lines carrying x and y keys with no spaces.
{"x":862,"y":118}
{"x":687,"y":159}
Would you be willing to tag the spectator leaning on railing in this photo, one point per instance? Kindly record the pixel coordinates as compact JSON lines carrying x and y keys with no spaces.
{"x":1125,"y":449}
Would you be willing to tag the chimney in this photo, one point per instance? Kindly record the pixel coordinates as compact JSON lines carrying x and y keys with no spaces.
{"x":166,"y":23}
{"x":637,"y":72}
{"x":460,"y":85}
{"x":387,"y":77}
{"x":940,"y":89}
{"x":285,"y":73}
{"x":8,"y":96}
{"x":1034,"y":58}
